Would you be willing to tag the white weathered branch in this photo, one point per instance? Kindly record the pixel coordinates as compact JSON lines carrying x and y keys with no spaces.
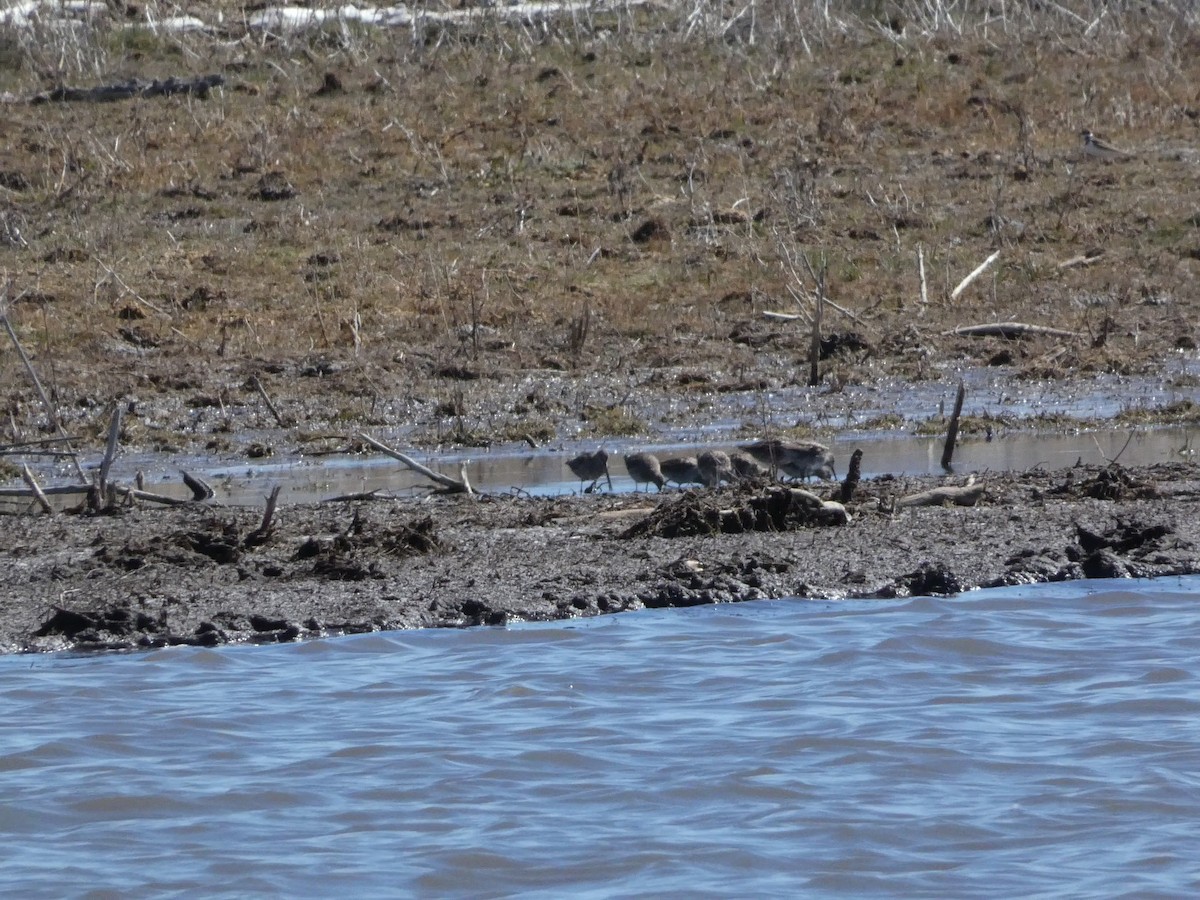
{"x":965,"y":283}
{"x":36,"y":490}
{"x":451,"y":485}
{"x":967,"y":495}
{"x":1009,"y":330}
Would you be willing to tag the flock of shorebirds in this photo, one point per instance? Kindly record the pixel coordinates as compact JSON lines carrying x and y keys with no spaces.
{"x":760,"y":459}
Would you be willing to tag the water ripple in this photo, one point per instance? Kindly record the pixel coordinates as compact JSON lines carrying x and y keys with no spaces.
{"x":1036,"y":741}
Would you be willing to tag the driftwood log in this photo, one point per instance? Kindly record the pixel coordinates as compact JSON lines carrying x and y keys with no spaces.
{"x":966,"y":495}
{"x":201,"y":489}
{"x":1009,"y":330}
{"x":201,"y":492}
{"x":449,"y":485}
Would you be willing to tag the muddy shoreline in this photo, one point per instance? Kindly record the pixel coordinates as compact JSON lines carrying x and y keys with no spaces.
{"x":151,"y":577}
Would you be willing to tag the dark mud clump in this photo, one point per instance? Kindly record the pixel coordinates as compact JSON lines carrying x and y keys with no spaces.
{"x":703,"y":513}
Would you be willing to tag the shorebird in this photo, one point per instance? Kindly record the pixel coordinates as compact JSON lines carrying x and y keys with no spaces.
{"x":644,"y":468}
{"x":795,"y":459}
{"x":589,"y":467}
{"x":715,"y":467}
{"x":746,"y":467}
{"x":681,"y":470}
{"x":1094,"y":146}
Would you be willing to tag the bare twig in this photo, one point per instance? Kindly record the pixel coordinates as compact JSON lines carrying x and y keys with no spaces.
{"x":1120,"y":453}
{"x":921,"y":271}
{"x":262,"y":392}
{"x":269,"y":512}
{"x":29,"y":370}
{"x":135,"y":494}
{"x":37,"y":491}
{"x":1083,"y":259}
{"x":262,"y":533}
{"x":110,"y":452}
{"x":49,"y":407}
{"x":52,"y":491}
{"x":965,"y":283}
{"x":814,"y":345}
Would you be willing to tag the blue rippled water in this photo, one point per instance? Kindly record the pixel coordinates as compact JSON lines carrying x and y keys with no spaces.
{"x":1029,"y":742}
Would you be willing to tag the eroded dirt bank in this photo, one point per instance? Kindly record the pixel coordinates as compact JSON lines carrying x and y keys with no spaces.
{"x":199,"y":575}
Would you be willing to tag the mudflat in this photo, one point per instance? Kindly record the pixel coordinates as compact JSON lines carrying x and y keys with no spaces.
{"x":576,"y":230}
{"x":206,"y":575}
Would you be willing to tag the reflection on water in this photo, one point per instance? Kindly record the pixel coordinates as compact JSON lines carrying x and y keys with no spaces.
{"x":1035,"y":741}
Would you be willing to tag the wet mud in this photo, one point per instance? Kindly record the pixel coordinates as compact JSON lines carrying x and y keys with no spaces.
{"x":207,"y":575}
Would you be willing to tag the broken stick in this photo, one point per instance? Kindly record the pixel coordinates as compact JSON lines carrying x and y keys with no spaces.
{"x":966,"y":282}
{"x":1009,"y":330}
{"x":952,"y":430}
{"x":262,"y":392}
{"x":36,"y":489}
{"x":449,"y":485}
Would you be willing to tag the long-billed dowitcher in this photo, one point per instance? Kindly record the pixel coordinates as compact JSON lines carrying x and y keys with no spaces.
{"x":590,"y":467}
{"x":746,"y":466}
{"x":795,"y":459}
{"x":715,"y":467}
{"x":644,"y":468}
{"x":681,"y":470}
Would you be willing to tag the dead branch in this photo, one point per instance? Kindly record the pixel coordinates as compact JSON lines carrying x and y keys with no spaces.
{"x":792,"y":317}
{"x":40,"y":497}
{"x":262,"y":392}
{"x":30,"y":371}
{"x":852,"y":477}
{"x":979,"y":270}
{"x":814,"y":346}
{"x":269,"y":512}
{"x":201,"y":489}
{"x":357,"y":497}
{"x":1009,"y":330}
{"x":921,"y":272}
{"x":952,"y":430}
{"x":53,"y":417}
{"x":449,"y":484}
{"x":149,"y":497}
{"x":966,"y":495}
{"x":58,"y":490}
{"x":262,"y":533}
{"x":1083,"y":259}
{"x":110,"y":451}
